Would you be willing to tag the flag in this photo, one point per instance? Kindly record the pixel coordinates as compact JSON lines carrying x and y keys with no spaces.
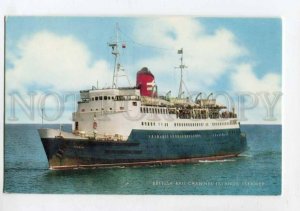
{"x":180,"y":51}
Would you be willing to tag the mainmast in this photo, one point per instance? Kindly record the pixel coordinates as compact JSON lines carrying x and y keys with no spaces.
{"x":181,"y":66}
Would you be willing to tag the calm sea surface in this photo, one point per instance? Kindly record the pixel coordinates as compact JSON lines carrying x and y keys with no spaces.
{"x":256,"y":172}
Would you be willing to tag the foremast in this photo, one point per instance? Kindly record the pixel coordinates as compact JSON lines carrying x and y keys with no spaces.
{"x":117,"y":66}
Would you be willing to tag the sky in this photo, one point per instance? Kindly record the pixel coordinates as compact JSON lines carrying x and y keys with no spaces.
{"x":49,"y":59}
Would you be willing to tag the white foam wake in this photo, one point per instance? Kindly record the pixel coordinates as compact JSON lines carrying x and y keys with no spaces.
{"x":245,"y":155}
{"x":216,"y":161}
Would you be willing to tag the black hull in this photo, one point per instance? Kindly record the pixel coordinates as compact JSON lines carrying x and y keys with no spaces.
{"x":144,"y":148}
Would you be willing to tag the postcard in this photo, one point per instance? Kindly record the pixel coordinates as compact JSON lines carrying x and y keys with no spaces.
{"x":175,"y":105}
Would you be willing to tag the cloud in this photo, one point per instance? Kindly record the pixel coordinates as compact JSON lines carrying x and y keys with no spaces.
{"x":244,"y":79}
{"x":48,"y":60}
{"x":207,"y":55}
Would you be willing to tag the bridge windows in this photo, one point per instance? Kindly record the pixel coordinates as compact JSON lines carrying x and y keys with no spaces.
{"x":103,"y":98}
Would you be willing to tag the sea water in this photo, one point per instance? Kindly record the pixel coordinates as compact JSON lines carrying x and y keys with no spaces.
{"x":255,"y":172}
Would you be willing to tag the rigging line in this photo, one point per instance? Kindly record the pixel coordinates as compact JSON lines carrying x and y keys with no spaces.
{"x":189,"y":94}
{"x":149,"y":46}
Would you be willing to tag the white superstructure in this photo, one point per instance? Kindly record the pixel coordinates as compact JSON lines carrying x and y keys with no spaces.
{"x":116,"y":112}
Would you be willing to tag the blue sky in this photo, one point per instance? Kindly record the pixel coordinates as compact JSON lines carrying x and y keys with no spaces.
{"x":220,"y":53}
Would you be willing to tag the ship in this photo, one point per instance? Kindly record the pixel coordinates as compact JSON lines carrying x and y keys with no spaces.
{"x":135,"y":126}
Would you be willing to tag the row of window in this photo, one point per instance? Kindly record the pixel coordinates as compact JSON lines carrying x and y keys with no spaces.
{"x":181,"y":114}
{"x":189,"y":124}
{"x":102,"y":109}
{"x":154,"y":124}
{"x":166,"y":136}
{"x":222,"y":123}
{"x":153,"y":110}
{"x":184,"y":124}
{"x":127,"y":97}
{"x":102,"y":98}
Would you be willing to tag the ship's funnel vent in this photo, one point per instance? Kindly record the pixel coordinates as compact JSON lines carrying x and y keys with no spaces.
{"x":145,"y":81}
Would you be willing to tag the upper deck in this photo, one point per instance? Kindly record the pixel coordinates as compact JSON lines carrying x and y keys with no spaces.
{"x":109,"y":94}
{"x":113,"y":100}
